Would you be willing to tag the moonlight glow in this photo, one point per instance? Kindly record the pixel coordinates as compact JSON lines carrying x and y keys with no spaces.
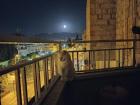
{"x":65,"y":26}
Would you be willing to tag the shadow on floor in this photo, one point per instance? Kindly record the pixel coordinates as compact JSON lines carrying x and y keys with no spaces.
{"x":121,"y":89}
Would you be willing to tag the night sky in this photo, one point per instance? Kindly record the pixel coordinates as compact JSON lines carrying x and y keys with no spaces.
{"x":42,"y":16}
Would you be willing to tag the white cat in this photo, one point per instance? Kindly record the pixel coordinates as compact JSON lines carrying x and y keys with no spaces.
{"x":64,"y":66}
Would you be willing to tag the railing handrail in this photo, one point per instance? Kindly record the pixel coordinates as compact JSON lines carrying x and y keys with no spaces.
{"x":103,"y":49}
{"x":95,"y":41}
{"x":73,"y":41}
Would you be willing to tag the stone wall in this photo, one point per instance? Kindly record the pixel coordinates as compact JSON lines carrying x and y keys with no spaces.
{"x":112,"y":19}
{"x":128,"y":15}
{"x":101,"y":20}
{"x":101,"y":24}
{"x":125,"y":17}
{"x":137,"y":12}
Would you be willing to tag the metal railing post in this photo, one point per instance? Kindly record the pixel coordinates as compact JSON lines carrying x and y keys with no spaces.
{"x":108,"y":58}
{"x":89,"y":63}
{"x":123,"y":57}
{"x":35,"y":81}
{"x":24,"y":82}
{"x":45,"y":73}
{"x":73,"y":57}
{"x":94,"y":60}
{"x":52,"y":67}
{"x":134,"y":50}
{"x":38,"y":80}
{"x":77,"y":61}
{"x":119,"y":56}
{"x":18,"y":87}
{"x":104,"y":59}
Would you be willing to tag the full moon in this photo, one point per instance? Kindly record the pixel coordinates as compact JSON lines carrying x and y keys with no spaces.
{"x":65,"y":26}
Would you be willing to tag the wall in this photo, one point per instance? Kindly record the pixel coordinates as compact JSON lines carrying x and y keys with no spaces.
{"x":112,"y":19}
{"x":101,"y":20}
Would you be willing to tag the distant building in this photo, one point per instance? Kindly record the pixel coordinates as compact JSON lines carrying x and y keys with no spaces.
{"x":17,"y":37}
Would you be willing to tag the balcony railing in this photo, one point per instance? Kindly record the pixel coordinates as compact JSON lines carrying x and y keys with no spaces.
{"x":92,"y":61}
{"x":26,"y":83}
{"x":102,"y":54}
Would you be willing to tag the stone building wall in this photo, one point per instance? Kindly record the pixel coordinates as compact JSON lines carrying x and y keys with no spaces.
{"x":137,"y":12}
{"x":128,"y":15}
{"x":101,"y":25}
{"x":113,"y":19}
{"x":125,"y":17}
{"x":103,"y":19}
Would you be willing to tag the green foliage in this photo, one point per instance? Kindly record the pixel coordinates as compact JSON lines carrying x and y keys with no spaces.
{"x":32,"y":55}
{"x":7,"y":52}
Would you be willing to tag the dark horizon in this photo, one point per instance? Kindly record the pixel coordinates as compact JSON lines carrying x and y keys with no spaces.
{"x":42,"y":16}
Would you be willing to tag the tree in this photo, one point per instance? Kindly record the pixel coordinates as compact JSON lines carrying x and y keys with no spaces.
{"x":7,"y":52}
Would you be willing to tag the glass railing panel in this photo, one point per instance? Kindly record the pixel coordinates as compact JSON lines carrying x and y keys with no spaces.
{"x":8,"y":94}
{"x":30,"y":82}
{"x":41,"y":70}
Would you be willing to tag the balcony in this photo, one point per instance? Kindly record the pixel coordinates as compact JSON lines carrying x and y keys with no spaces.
{"x":100,"y":66}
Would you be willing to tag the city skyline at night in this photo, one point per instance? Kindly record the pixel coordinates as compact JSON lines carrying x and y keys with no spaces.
{"x":42,"y":16}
